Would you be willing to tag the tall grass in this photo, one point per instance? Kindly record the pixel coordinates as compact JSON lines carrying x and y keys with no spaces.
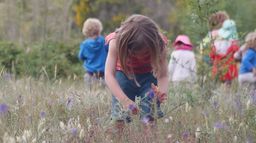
{"x":69,"y":111}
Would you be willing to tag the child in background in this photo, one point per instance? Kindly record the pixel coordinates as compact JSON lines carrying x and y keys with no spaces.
{"x":215,"y":22}
{"x":247,"y":72}
{"x":239,"y":54}
{"x":92,"y":50}
{"x":182,"y":64}
{"x":222,"y":53}
{"x":136,"y":63}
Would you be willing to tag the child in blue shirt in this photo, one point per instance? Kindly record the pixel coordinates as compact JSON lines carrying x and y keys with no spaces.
{"x":247,"y":72}
{"x":92,"y":50}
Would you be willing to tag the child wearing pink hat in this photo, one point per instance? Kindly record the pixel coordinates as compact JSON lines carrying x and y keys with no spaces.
{"x":182,"y":64}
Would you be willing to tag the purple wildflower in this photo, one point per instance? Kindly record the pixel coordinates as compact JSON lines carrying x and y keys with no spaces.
{"x":3,"y":109}
{"x":42,"y":114}
{"x":205,"y":113}
{"x":7,"y":76}
{"x":215,"y":104}
{"x":250,"y":139}
{"x":219,"y":125}
{"x":147,"y":119}
{"x":74,"y":131}
{"x":185,"y":134}
{"x":131,"y":107}
{"x":151,"y":94}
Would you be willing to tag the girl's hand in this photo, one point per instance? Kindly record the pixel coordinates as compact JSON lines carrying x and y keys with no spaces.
{"x":130,"y":106}
{"x":133,"y":108}
{"x":161,"y":96}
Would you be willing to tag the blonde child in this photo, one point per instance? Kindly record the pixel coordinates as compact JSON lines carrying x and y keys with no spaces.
{"x":182,"y":64}
{"x":136,"y":62}
{"x":247,"y":72}
{"x":92,"y":50}
{"x":239,"y":54}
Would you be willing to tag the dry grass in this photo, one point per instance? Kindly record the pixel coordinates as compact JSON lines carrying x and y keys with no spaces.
{"x":68,"y":111}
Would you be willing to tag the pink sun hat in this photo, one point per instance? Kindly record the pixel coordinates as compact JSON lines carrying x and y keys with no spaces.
{"x":184,"y":39}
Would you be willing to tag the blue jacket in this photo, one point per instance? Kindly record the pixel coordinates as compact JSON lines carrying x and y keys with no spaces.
{"x":93,"y":53}
{"x":248,"y":61}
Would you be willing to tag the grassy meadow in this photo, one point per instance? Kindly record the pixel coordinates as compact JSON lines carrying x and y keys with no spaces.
{"x":42,"y":111}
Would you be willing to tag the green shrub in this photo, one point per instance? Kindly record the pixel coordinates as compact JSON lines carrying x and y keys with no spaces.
{"x":51,"y":59}
{"x":9,"y":57}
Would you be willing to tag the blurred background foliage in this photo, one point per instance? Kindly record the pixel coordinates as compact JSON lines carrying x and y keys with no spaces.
{"x":42,"y":36}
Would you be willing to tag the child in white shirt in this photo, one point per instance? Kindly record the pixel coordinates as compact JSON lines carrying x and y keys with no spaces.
{"x":182,"y":64}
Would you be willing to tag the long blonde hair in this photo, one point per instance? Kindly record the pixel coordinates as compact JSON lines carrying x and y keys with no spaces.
{"x":139,"y":32}
{"x":250,"y":41}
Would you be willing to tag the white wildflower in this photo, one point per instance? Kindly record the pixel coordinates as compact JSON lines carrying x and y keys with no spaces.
{"x":187,"y":107}
{"x":169,"y":136}
{"x":231,"y":120}
{"x":27,"y":134}
{"x":88,"y":123}
{"x":235,"y":139}
{"x":79,"y":126}
{"x":198,"y":132}
{"x":166,"y":120}
{"x":62,"y":125}
{"x":43,"y":130}
{"x":248,"y":104}
{"x":34,"y":140}
{"x":81,"y":134}
{"x":241,"y":124}
{"x":170,"y":117}
{"x":18,"y":139}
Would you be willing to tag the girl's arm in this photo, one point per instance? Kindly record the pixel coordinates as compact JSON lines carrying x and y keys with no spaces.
{"x":162,"y":79}
{"x":110,"y":79}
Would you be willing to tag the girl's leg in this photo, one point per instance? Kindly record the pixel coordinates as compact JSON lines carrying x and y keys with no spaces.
{"x":150,"y":108}
{"x":130,"y":90}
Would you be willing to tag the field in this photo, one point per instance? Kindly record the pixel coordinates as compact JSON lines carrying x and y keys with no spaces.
{"x":68,"y":111}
